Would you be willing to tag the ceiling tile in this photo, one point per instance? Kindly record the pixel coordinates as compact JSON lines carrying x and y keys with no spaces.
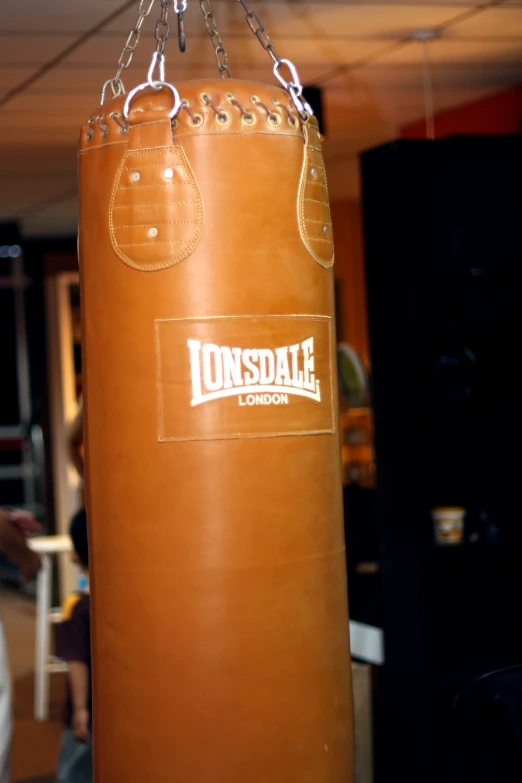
{"x":73,"y":15}
{"x":506,"y":22}
{"x":31,"y":51}
{"x":312,"y":20}
{"x":10,"y":77}
{"x":447,"y":51}
{"x":30,"y":188}
{"x":59,"y":219}
{"x":242,"y":52}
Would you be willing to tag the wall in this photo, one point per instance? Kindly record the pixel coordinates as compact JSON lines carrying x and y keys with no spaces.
{"x":497,"y":114}
{"x":350,"y":276}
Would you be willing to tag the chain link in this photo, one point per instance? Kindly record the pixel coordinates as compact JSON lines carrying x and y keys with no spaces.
{"x":293,"y":86}
{"x":219,"y":48}
{"x":258,"y":28}
{"x":131,"y":43}
{"x":162,"y":30}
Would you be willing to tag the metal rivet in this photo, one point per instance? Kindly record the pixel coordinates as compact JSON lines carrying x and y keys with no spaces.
{"x":135,"y":176}
{"x":314,"y":173}
{"x":326,"y":231}
{"x":153,"y":232}
{"x":168,"y":173}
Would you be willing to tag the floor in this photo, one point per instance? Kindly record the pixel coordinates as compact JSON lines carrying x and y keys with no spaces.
{"x":35,"y":745}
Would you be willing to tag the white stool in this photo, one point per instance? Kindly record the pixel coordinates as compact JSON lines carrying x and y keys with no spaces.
{"x":47,"y":547}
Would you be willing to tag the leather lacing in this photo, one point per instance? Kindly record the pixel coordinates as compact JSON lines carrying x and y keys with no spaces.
{"x":222,"y":117}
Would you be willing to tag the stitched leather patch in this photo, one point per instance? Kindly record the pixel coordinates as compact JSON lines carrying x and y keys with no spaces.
{"x":156,"y":212}
{"x":244,"y":377}
{"x":315,"y":220}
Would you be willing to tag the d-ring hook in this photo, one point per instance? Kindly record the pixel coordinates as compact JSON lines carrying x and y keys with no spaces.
{"x":156,"y":86}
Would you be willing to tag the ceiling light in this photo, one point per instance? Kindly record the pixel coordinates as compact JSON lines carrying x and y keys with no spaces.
{"x":425,"y":35}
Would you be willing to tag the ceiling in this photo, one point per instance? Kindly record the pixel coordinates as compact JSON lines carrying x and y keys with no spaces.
{"x":54,"y":57}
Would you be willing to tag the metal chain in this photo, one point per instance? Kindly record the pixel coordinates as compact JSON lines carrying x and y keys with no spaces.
{"x":293,"y":86}
{"x":162,"y":30}
{"x":219,"y":48}
{"x":128,"y":50}
{"x":258,"y":28}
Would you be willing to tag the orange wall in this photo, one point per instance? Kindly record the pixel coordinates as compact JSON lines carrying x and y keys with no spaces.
{"x":497,"y":114}
{"x":350,"y":276}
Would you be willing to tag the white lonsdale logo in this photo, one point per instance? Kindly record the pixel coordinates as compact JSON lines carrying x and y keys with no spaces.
{"x":256,"y":376}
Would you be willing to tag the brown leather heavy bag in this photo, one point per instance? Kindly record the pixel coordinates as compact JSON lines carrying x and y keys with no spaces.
{"x":219,"y":598}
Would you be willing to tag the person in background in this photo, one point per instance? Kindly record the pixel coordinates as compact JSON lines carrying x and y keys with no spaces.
{"x":73,"y":644}
{"x":15,"y":527}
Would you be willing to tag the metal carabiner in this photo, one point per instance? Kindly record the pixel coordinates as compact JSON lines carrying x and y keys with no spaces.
{"x":180,"y":11}
{"x":182,"y":38}
{"x":159,"y":61}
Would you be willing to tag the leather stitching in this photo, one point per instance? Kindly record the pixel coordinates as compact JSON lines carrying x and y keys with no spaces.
{"x":313,"y":154}
{"x":132,"y":159}
{"x":166,"y":184}
{"x":158,"y":223}
{"x":137,"y":206}
{"x":153,"y":242}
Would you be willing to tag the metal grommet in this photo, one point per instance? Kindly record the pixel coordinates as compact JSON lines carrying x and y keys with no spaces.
{"x":122,"y":125}
{"x":230,"y":98}
{"x":104,"y":128}
{"x":292,"y":121}
{"x":206,"y":98}
{"x":274,"y":120}
{"x":248,"y":119}
{"x":254,"y":99}
{"x":89,"y":130}
{"x":223,"y":118}
{"x":196,"y":120}
{"x":174,"y":125}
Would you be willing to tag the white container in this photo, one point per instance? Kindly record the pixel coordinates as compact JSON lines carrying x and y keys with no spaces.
{"x":449,"y":524}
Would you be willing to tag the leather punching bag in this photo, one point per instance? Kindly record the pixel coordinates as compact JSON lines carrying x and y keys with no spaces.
{"x":219,"y":599}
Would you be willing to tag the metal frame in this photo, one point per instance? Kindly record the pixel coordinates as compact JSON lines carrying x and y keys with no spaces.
{"x":28,"y":471}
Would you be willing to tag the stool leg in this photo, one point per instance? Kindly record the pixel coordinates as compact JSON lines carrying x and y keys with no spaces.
{"x":43,"y":607}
